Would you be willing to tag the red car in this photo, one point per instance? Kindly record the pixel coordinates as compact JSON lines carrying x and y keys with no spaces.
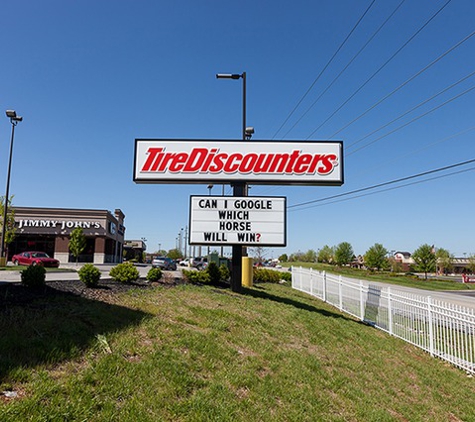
{"x":34,"y":258}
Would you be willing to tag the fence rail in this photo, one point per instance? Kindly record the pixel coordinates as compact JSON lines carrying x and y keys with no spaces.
{"x":444,"y":330}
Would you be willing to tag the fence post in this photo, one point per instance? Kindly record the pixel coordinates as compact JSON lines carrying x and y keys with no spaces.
{"x":340,"y":293}
{"x":361,"y":301}
{"x":431,"y":332}
{"x":311,"y":282}
{"x":324,"y":285}
{"x":390,"y":311}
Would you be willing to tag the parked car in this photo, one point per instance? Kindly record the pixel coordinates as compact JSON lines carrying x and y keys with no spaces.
{"x":34,"y":258}
{"x":164,"y":263}
{"x":200,"y":262}
{"x":184,"y":262}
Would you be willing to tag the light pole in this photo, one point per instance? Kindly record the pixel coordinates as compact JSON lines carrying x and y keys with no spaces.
{"x":239,"y":188}
{"x":14,"y":119}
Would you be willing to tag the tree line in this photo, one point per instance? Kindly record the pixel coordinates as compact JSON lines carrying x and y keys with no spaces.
{"x":426,"y":258}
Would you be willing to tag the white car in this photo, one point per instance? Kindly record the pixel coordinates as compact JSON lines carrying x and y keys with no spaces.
{"x":184,"y":262}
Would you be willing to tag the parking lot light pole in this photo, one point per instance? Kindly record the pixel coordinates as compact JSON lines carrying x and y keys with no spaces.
{"x":14,"y":119}
{"x":239,"y":188}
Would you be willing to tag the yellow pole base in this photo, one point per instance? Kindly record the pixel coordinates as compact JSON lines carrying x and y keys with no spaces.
{"x":247,"y":271}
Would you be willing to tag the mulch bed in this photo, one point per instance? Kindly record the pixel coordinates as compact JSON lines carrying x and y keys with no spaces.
{"x":106,"y":291}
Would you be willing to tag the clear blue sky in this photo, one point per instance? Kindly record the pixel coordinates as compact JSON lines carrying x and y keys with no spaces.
{"x":91,"y":76}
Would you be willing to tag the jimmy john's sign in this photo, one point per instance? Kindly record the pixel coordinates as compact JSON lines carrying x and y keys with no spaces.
{"x":254,"y":162}
{"x":231,"y":220}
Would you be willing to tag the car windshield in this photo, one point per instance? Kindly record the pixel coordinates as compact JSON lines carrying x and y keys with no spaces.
{"x":39,"y":255}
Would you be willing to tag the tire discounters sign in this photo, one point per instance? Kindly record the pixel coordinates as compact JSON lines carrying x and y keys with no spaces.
{"x":254,"y":162}
{"x":232,"y":220}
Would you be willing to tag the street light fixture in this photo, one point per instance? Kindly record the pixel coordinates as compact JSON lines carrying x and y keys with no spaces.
{"x":240,"y":188}
{"x":14,"y":119}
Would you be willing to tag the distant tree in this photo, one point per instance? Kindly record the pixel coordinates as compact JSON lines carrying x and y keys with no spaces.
{"x":344,"y":253}
{"x":471,"y":263}
{"x":77,"y":242}
{"x":425,"y":259}
{"x":258,"y":253}
{"x":444,"y":261}
{"x":174,"y":254}
{"x":326,"y":255}
{"x":10,"y":231}
{"x":376,"y":257}
{"x":283,"y":258}
{"x":310,"y":256}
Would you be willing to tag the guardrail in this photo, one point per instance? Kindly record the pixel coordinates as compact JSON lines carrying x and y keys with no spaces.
{"x":444,"y":330}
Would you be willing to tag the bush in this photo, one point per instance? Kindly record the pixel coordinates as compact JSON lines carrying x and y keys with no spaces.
{"x":264,"y":275}
{"x":89,"y":275}
{"x":197,"y":277}
{"x":213,"y":272}
{"x":154,"y":274}
{"x":224,"y":272}
{"x":286,"y":276}
{"x":34,"y":276}
{"x":124,"y":273}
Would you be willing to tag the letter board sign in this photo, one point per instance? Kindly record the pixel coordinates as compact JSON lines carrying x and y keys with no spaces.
{"x":235,"y":220}
{"x":254,"y":162}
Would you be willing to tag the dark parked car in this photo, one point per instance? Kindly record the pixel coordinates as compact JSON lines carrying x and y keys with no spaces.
{"x":164,"y":263}
{"x":35,"y":258}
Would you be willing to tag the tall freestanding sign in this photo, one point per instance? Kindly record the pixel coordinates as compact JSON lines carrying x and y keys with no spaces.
{"x":238,"y":220}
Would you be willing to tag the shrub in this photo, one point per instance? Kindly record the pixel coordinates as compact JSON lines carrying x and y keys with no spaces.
{"x":264,"y":275}
{"x":34,"y":276}
{"x":197,"y":277}
{"x":224,"y":272}
{"x":124,"y":273}
{"x":154,"y":274}
{"x":286,"y":276}
{"x":213,"y":272}
{"x":89,"y":275}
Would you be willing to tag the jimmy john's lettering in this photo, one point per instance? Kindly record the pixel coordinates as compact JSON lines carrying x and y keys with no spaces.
{"x":58,"y":224}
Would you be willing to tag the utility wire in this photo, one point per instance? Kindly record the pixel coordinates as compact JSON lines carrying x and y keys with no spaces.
{"x":388,"y":189}
{"x":405,"y":83}
{"x":325,"y":68}
{"x":391,"y":182}
{"x":412,"y":121}
{"x":412,"y":109}
{"x":344,"y":69}
{"x":381,"y":67}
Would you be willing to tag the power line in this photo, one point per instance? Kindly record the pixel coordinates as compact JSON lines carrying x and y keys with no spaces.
{"x":345,"y":68}
{"x":413,"y":120}
{"x":412,"y":109}
{"x":402,"y":179}
{"x":381,"y":67}
{"x":325,"y":67}
{"x":389,"y":189}
{"x":405,"y":83}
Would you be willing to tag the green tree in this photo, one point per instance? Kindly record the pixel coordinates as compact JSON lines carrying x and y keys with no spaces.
{"x":444,"y":261}
{"x":283,"y":258}
{"x":471,"y":263}
{"x":326,"y":255}
{"x":174,"y":254}
{"x":311,"y":256}
{"x":10,"y":231}
{"x":77,"y":242}
{"x":376,"y":257}
{"x":344,"y":253}
{"x":425,"y":259}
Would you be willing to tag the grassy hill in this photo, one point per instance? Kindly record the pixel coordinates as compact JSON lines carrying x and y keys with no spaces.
{"x":199,"y":353}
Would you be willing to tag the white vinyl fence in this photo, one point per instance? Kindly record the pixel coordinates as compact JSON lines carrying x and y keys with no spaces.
{"x":445,"y":330}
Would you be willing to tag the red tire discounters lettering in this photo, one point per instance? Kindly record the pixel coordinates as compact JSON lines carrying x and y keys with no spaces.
{"x":210,"y":160}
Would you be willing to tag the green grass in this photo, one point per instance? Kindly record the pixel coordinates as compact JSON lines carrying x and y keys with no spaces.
{"x":387,"y":277}
{"x":195,"y":353}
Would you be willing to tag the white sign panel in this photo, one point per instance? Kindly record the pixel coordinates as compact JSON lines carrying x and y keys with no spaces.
{"x":232,"y":220}
{"x":254,"y":162}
